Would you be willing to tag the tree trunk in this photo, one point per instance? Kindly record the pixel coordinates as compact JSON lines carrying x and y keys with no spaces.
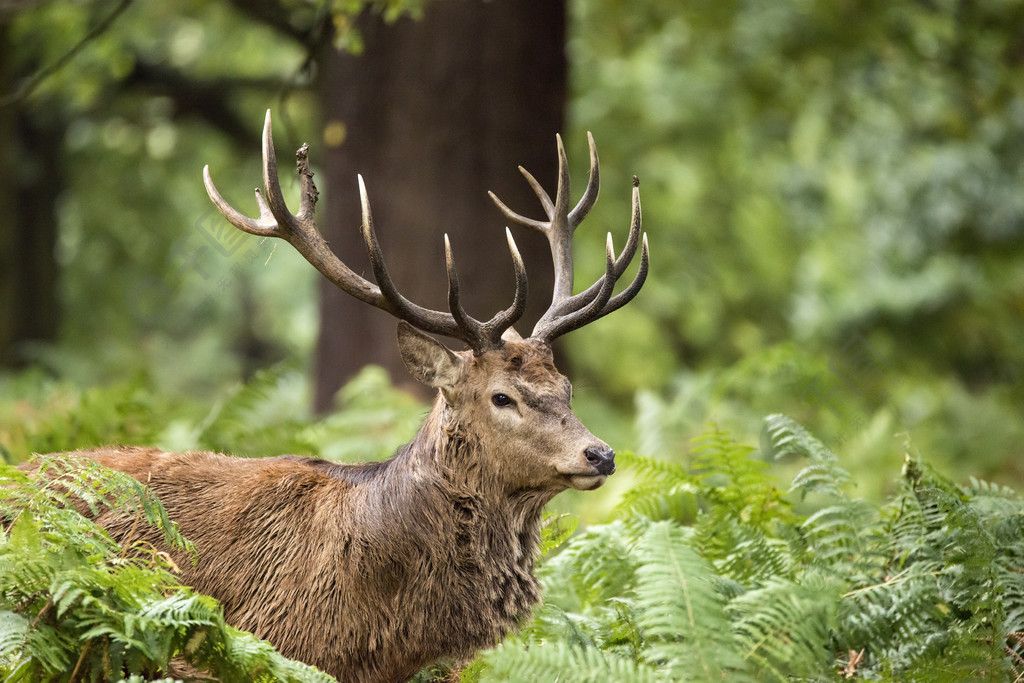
{"x":30,"y":179}
{"x":435,"y":112}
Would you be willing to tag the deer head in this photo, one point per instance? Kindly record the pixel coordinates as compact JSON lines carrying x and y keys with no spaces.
{"x":506,"y":387}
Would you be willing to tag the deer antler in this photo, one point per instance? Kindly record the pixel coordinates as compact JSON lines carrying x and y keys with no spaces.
{"x":300,"y":231}
{"x":567,"y":311}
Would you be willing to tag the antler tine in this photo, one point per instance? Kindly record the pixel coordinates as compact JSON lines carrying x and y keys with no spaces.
{"x":271,"y":182}
{"x":459,"y":324}
{"x":267,"y":225}
{"x":426,"y":319}
{"x":578,"y":213}
{"x":264,"y":226}
{"x":486,"y":334}
{"x":558,"y":326}
{"x":558,"y":229}
{"x":589,"y":197}
{"x":507,"y":318}
{"x":568,"y":312}
{"x":518,"y":219}
{"x":575,"y":303}
{"x":626,"y":295}
{"x":599,"y":306}
{"x":542,"y":195}
{"x":467,"y":325}
{"x":264,"y":209}
{"x":300,"y":231}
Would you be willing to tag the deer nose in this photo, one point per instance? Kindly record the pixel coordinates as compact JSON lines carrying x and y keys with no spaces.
{"x":602,"y":458}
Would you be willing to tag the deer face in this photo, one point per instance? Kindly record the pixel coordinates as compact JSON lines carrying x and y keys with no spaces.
{"x":518,"y":406}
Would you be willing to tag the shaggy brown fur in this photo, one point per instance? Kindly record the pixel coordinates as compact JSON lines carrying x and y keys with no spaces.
{"x":372,"y":571}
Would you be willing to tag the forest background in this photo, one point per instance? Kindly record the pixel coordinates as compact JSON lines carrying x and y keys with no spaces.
{"x":833,"y":191}
{"x":833,"y":194}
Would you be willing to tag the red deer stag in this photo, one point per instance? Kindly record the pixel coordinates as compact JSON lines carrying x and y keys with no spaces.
{"x":371,"y":571}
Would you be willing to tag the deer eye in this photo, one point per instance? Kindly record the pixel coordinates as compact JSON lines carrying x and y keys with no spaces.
{"x":501,"y":400}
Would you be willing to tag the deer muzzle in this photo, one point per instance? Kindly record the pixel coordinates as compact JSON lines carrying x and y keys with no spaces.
{"x":601,"y":458}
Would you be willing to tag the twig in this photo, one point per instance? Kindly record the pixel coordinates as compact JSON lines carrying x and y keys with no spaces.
{"x":31,"y":84}
{"x":851,"y":666}
{"x":81,"y":660}
{"x":1013,"y":651}
{"x":46,"y":608}
{"x":888,"y":582}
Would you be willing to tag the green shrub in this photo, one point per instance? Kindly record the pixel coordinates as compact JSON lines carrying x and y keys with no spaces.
{"x":711,"y":572}
{"x":76,"y":606}
{"x":709,"y":569}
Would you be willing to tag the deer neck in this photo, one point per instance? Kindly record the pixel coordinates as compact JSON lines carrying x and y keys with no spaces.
{"x":448,"y":452}
{"x":441,"y":480}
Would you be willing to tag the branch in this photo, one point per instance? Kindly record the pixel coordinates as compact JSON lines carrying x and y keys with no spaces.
{"x":31,"y":84}
{"x":273,"y":14}
{"x":209,"y":100}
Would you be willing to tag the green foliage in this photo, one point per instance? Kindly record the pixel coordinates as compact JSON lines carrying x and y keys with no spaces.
{"x":345,"y":14}
{"x":76,"y":606}
{"x":145,"y":270}
{"x":831,"y":167}
{"x":782,"y":436}
{"x":734,"y":562}
{"x":269,"y":415}
{"x":63,"y":480}
{"x":261,"y":416}
{"x":832,"y":192}
{"x":372,"y":418}
{"x":925,"y":587}
{"x":833,"y":196}
{"x":555,"y":531}
{"x":41,"y":415}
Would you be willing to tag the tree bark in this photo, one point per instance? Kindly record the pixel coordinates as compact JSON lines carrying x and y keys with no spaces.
{"x":435,"y":112}
{"x":30,"y":179}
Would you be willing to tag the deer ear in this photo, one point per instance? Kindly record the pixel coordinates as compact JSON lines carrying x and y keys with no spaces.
{"x":428,"y":360}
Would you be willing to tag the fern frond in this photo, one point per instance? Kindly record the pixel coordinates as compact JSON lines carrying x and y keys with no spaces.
{"x":895,"y":621}
{"x":784,"y":627}
{"x":718,"y":454}
{"x":751,"y":555}
{"x":842,"y":538}
{"x":595,"y":566}
{"x":734,"y":483}
{"x":68,"y":477}
{"x":824,"y":478}
{"x":373,"y":416}
{"x":234,"y":655}
{"x":784,"y":437}
{"x":554,"y":623}
{"x":555,"y":531}
{"x":682,"y":616}
{"x":979,"y":487}
{"x":250,"y":420}
{"x":653,"y":468}
{"x":14,"y":630}
{"x":787,"y":437}
{"x":72,"y":602}
{"x":663,"y":490}
{"x":559,"y":661}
